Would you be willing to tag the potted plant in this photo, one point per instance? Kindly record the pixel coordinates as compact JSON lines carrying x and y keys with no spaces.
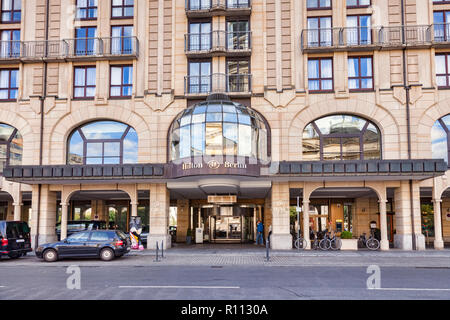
{"x":189,"y":236}
{"x":348,"y":243}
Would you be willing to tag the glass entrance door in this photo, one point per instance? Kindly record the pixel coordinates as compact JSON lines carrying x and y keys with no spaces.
{"x":227,"y":228}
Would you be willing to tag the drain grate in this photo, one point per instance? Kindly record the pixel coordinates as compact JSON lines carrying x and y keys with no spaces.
{"x":217,"y":267}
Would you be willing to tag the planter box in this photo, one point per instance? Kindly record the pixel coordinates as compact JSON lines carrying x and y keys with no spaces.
{"x":349,"y":244}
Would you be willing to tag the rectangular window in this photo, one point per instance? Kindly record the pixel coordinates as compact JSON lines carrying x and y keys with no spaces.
{"x":318,"y":4}
{"x":122,"y":8}
{"x":319,"y":32}
{"x":441,"y":20}
{"x":9,"y":84}
{"x":86,"y":43}
{"x":122,"y":40}
{"x":121,"y":81}
{"x":238,"y":35}
{"x":11,"y":10}
{"x":359,"y":30}
{"x":84,"y":82}
{"x":238,"y":73}
{"x":320,"y":74}
{"x":86,"y":9}
{"x":357,"y":3}
{"x":199,"y":79}
{"x":199,"y":36}
{"x":360,"y":73}
{"x":10,"y":44}
{"x":442,"y":71}
{"x":238,"y":3}
{"x":199,"y":4}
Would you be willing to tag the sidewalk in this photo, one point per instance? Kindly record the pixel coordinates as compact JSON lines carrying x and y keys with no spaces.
{"x":217,"y":256}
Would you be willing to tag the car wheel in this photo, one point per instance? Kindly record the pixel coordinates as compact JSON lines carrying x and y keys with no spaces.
{"x":50,"y":255}
{"x":106,"y":254}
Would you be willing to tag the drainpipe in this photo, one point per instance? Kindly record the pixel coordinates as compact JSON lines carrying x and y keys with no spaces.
{"x":42,"y":110}
{"x":408,"y":120}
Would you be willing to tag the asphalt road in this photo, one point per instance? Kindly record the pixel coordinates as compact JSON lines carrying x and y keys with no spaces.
{"x":106,"y":282}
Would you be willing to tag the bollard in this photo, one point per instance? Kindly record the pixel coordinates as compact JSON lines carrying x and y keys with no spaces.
{"x":157,"y":252}
{"x":267,"y":250}
{"x":162,"y":249}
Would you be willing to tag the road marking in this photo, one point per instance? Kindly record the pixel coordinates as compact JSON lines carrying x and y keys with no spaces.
{"x":408,"y":289}
{"x":176,"y":287}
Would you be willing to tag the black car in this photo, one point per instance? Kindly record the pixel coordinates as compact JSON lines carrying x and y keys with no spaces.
{"x":15,"y":240}
{"x":83,"y":225}
{"x":103,"y":244}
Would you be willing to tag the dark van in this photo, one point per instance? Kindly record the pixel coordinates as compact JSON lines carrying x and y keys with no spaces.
{"x":15,"y":240}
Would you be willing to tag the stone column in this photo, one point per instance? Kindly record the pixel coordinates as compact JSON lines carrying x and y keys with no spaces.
{"x":384,"y":244}
{"x":403,"y":237}
{"x":281,"y":238}
{"x":17,"y":211}
{"x":46,"y":215}
{"x":306,"y":223}
{"x":64,"y":216}
{"x":438,"y":241}
{"x":159,"y":216}
{"x":134,"y":209}
{"x":182,"y":219}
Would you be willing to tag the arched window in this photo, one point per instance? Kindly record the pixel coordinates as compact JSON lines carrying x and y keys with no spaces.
{"x":440,"y":138}
{"x":103,"y":142}
{"x":341,"y":137}
{"x":219,"y":128}
{"x":11,"y":146}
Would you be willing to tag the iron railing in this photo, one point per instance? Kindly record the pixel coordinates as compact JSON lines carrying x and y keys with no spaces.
{"x":70,"y":48}
{"x":366,"y":37}
{"x":217,"y":83}
{"x":204,"y":5}
{"x":10,"y":49}
{"x":217,"y":41}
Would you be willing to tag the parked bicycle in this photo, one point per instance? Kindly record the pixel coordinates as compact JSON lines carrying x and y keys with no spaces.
{"x":336,"y":242}
{"x":372,"y":243}
{"x":300,"y":243}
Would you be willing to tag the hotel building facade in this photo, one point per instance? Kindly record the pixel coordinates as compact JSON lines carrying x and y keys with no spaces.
{"x":230,"y":111}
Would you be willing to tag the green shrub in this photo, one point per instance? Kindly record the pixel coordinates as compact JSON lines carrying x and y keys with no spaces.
{"x":346,"y":235}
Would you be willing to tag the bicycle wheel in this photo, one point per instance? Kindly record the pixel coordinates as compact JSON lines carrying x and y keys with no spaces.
{"x":336,"y":244}
{"x":373,"y":244}
{"x":300,"y":243}
{"x":325,"y":244}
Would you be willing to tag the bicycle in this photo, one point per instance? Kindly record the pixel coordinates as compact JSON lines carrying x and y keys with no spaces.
{"x":336,"y":242}
{"x":300,"y":243}
{"x":325,"y":243}
{"x":372,"y":243}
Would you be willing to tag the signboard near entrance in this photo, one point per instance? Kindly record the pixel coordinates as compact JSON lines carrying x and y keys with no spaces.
{"x":222,"y":199}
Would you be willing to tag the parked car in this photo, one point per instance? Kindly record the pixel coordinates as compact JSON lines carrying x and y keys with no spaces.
{"x":15,"y":240}
{"x":83,"y":225}
{"x":103,"y":244}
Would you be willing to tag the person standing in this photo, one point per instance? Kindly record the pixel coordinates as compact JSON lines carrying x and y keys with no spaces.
{"x":260,"y":230}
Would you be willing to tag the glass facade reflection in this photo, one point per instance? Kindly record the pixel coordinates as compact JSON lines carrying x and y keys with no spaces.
{"x":440,"y":139}
{"x":11,"y":146}
{"x":216,"y":128}
{"x":103,"y":142}
{"x":341,"y":137}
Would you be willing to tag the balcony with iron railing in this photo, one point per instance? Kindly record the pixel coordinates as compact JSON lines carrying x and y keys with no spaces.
{"x":106,"y":48}
{"x":209,"y":8}
{"x":231,"y":84}
{"x":10,"y":51}
{"x":116,"y":48}
{"x":365,"y":38}
{"x":218,"y":43}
